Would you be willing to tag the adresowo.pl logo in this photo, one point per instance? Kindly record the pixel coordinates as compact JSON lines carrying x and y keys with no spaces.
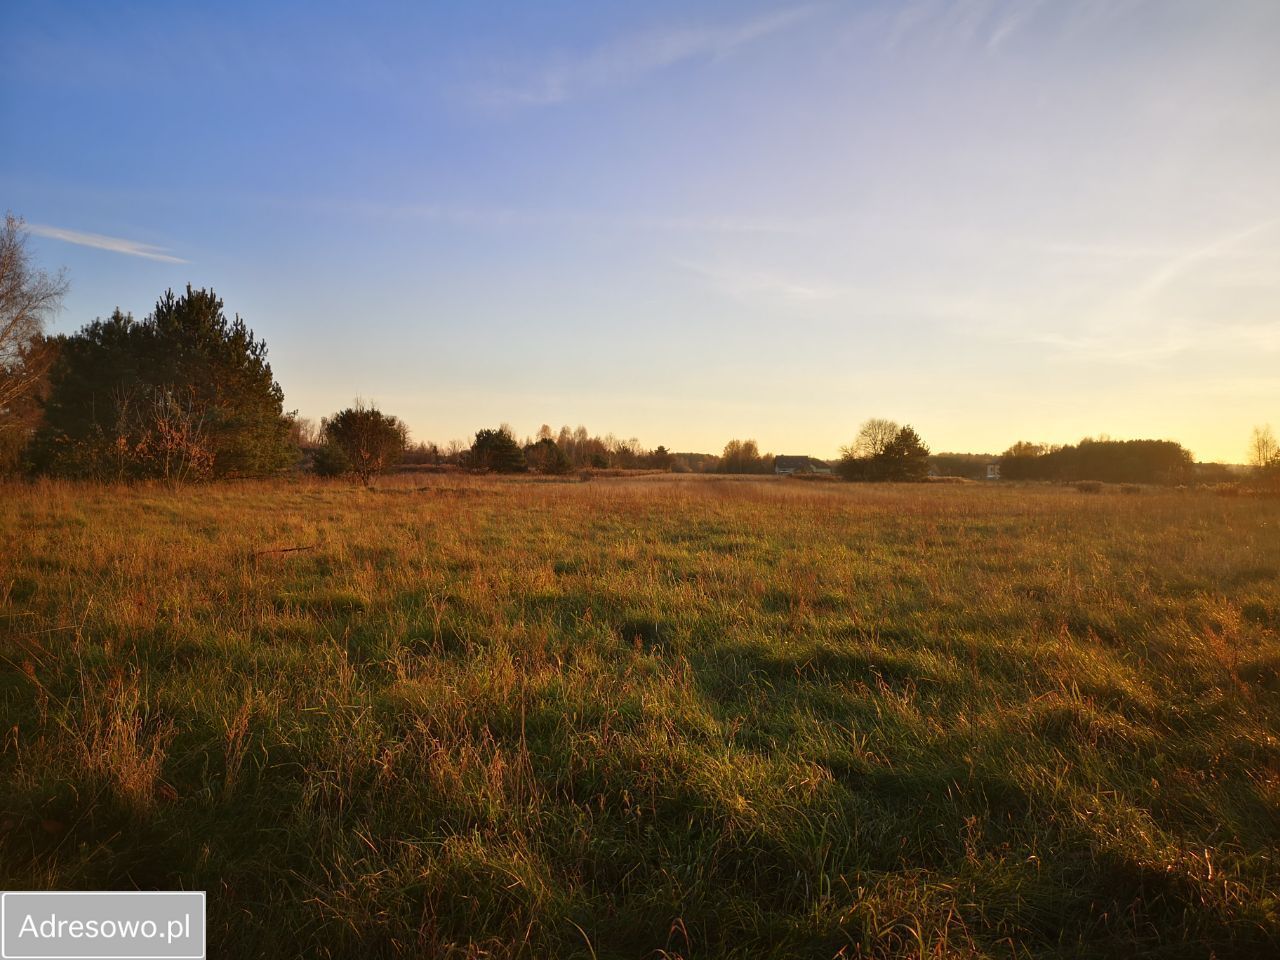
{"x":102,"y":925}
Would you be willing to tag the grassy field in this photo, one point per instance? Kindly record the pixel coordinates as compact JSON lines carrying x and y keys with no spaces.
{"x":654,"y":717}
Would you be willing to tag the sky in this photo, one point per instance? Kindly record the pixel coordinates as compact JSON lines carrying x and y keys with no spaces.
{"x":996,"y":220}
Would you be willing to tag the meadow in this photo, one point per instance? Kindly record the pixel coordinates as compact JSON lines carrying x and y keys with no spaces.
{"x":468,"y":717}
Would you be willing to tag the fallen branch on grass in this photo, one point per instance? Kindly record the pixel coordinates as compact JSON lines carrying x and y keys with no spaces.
{"x":263,"y":553}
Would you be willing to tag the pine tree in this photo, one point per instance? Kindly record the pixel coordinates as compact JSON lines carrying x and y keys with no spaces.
{"x":186,"y":348}
{"x":194,"y":345}
{"x":905,"y":457}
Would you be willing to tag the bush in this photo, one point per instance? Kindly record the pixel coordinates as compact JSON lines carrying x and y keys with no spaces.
{"x":369,"y":440}
{"x":545,"y":456}
{"x":498,"y":451}
{"x":329,"y":461}
{"x":854,"y":468}
{"x":1267,"y":479}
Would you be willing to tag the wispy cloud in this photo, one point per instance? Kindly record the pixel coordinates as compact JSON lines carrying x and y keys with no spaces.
{"x":1264,"y":388}
{"x":1184,"y":263}
{"x":992,"y":24}
{"x":498,"y":218}
{"x":1010,"y":22}
{"x":728,"y":224}
{"x":753,"y":286}
{"x":1124,"y":349}
{"x":1161,"y":315}
{"x":960,"y":22}
{"x":132,"y":248}
{"x":627,"y":61}
{"x":1154,"y":346}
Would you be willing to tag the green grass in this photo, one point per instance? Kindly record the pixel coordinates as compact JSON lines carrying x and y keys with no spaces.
{"x":612,"y":719}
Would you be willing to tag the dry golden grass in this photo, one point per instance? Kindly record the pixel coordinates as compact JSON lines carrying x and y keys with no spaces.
{"x":711,"y":717}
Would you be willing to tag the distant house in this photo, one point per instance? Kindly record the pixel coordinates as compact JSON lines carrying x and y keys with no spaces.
{"x":993,"y":471}
{"x":785,"y":466}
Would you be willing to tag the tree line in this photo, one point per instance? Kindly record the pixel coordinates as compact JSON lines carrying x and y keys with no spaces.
{"x":1112,"y":461}
{"x":187,"y":393}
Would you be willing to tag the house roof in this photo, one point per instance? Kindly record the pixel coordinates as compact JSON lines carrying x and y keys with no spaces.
{"x":796,"y":462}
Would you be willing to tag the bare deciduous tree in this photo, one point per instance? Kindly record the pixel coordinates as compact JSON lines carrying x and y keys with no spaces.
{"x":28,"y":297}
{"x":303,"y":432}
{"x":177,"y":441}
{"x":744,"y":456}
{"x":872,"y":440}
{"x":454,"y":450}
{"x":158,"y":432}
{"x":1264,"y":450}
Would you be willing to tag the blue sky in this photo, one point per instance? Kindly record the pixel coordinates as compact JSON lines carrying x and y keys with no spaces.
{"x":996,"y":220}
